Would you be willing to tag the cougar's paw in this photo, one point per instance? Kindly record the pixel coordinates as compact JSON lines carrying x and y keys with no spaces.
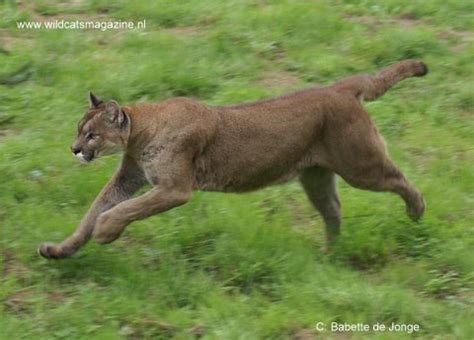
{"x":53,"y":251}
{"x":415,"y":211}
{"x":421,"y":69}
{"x":107,"y":229}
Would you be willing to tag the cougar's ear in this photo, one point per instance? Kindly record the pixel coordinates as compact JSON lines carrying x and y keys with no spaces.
{"x":114,"y":113}
{"x":93,"y":100}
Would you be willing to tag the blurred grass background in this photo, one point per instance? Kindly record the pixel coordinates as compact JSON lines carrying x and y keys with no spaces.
{"x":236,"y":266}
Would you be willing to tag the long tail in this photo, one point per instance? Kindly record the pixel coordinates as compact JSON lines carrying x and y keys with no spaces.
{"x":371,"y":87}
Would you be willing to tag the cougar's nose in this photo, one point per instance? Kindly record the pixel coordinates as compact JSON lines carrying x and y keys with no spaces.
{"x":75,"y":150}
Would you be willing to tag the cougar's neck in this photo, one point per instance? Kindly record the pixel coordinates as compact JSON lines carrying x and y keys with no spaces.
{"x":137,"y":129}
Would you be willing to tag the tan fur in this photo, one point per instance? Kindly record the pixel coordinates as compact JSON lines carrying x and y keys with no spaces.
{"x":181,"y":145}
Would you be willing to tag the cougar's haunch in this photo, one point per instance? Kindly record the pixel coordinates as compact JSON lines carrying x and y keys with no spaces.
{"x":181,"y":145}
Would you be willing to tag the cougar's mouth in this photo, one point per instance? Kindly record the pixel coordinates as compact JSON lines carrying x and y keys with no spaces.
{"x":84,"y":158}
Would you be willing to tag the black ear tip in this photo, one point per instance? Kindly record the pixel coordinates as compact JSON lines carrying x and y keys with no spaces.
{"x":92,"y":95}
{"x":94,"y":101}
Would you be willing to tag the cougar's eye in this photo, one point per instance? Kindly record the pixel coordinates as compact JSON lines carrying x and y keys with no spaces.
{"x":90,"y":135}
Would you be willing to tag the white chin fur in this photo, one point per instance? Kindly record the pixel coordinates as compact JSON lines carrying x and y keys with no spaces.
{"x":81,"y":158}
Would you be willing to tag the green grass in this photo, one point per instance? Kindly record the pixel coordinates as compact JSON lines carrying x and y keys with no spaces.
{"x":237,"y":266}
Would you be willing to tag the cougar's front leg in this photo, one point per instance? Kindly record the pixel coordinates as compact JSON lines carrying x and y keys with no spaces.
{"x":128,"y":179}
{"x":172,"y":187}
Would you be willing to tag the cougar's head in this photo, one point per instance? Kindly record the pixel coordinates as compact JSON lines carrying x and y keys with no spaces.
{"x":103,"y":130}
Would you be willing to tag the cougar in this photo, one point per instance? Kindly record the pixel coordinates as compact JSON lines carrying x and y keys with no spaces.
{"x":180,"y":145}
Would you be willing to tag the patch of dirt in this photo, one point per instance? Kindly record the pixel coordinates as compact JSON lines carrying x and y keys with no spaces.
{"x":4,"y":134}
{"x":11,"y":265}
{"x":113,"y":39}
{"x":56,"y":297}
{"x":310,"y":334}
{"x":70,"y":3}
{"x":304,"y":334}
{"x":136,"y":330}
{"x":408,"y":20}
{"x":81,"y":17}
{"x":374,"y":22}
{"x":19,"y":302}
{"x":282,"y":79}
{"x":185,"y":31}
{"x":366,"y":20}
{"x":30,"y":9}
{"x":8,"y":259}
{"x":22,"y":301}
{"x":463,"y":39}
{"x":198,"y":331}
{"x":451,"y":33}
{"x":465,"y":297}
{"x":9,"y":40}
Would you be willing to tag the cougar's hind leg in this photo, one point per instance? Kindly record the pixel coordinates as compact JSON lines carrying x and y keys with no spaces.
{"x":320,"y":187}
{"x":385,"y":176}
{"x":357,"y":153}
{"x":363,"y":162}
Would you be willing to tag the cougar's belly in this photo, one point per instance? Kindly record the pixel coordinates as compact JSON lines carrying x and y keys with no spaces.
{"x":225,"y":177}
{"x":239,"y":183}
